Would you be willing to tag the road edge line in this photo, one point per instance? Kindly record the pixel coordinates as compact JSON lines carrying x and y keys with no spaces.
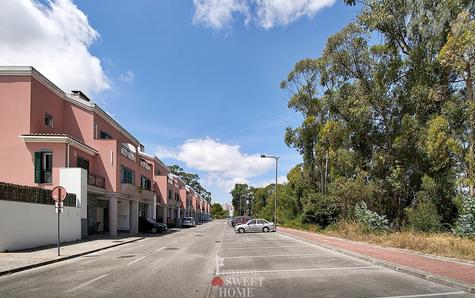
{"x":40,"y":264}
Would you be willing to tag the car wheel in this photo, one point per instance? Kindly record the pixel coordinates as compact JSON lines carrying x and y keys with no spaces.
{"x":241,"y":230}
{"x":265,"y":229}
{"x":154,"y":230}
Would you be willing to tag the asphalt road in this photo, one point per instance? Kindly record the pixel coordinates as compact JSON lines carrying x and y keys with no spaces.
{"x":184,"y":264}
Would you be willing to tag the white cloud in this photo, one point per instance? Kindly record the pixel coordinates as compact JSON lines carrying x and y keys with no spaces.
{"x":55,"y":39}
{"x":224,"y":164}
{"x":280,"y":180}
{"x":128,"y":76}
{"x":218,"y":14}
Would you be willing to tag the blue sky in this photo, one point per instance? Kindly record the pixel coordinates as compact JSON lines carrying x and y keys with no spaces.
{"x":199,"y":87}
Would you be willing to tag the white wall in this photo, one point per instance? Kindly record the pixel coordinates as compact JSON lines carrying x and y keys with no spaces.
{"x":74,"y":180}
{"x":123,"y":215}
{"x":27,"y":225}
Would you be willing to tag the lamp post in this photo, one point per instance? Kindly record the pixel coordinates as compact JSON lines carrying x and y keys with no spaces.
{"x":275,"y":199}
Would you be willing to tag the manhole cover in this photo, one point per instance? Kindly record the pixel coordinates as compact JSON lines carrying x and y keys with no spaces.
{"x":198,"y":235}
{"x":171,"y":248}
{"x":218,"y":241}
{"x":126,"y":256}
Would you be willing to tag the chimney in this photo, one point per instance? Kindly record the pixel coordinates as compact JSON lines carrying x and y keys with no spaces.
{"x":80,"y":94}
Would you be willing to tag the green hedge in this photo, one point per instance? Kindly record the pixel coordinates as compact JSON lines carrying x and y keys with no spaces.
{"x":28,"y":194}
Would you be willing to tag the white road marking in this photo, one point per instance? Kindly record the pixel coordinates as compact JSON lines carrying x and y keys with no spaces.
{"x":427,"y":295}
{"x":274,"y":256}
{"x":174,"y":242}
{"x":86,"y":283}
{"x":159,"y":249}
{"x":128,"y":264}
{"x":259,"y":247}
{"x":252,"y":271}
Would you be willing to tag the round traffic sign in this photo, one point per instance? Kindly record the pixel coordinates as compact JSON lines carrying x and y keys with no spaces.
{"x":59,"y":193}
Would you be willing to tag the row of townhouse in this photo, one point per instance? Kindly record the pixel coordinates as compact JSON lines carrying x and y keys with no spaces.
{"x":51,"y":137}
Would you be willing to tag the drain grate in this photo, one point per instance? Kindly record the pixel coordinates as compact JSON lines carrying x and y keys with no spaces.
{"x":199,"y":235}
{"x":218,"y":241}
{"x":126,"y":256}
{"x":171,"y":248}
{"x":119,"y":241}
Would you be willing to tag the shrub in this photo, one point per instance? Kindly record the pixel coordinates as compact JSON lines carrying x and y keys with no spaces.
{"x":370,"y":220}
{"x":424,"y":217}
{"x":465,"y":225}
{"x":319,"y":210}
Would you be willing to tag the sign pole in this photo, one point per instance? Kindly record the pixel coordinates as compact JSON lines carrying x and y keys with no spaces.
{"x":59,"y":211}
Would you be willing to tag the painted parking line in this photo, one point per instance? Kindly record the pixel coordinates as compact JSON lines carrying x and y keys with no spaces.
{"x":134,"y":261}
{"x":159,"y":249}
{"x":173,"y":242}
{"x":259,"y":247}
{"x":254,"y":271}
{"x":275,"y":256}
{"x":86,"y":283}
{"x":427,"y":295}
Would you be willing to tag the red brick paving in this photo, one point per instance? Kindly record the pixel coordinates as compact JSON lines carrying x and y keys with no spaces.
{"x":463,"y":272}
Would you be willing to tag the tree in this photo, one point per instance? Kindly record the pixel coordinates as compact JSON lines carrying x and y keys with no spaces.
{"x":217,"y":211}
{"x":191,"y":180}
{"x":242,"y":196}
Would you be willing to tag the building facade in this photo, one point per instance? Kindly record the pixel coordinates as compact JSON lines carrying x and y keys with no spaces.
{"x":51,"y":138}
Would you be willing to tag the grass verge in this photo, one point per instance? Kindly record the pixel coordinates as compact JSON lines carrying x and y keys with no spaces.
{"x":439,"y":244}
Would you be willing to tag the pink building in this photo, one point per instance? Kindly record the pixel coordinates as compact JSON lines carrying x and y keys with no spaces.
{"x":51,"y":138}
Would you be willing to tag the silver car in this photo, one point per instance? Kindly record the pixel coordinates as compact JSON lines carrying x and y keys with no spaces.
{"x":188,"y":222}
{"x":255,"y":225}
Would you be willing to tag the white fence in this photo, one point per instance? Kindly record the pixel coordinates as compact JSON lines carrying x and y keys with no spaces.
{"x":27,"y":225}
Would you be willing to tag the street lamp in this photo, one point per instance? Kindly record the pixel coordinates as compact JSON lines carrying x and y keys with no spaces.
{"x":275,"y":200}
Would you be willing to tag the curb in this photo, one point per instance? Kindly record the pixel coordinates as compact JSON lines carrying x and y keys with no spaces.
{"x":411,"y":271}
{"x":19,"y":269}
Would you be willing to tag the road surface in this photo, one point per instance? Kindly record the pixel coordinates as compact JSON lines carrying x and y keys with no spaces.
{"x":187,"y":262}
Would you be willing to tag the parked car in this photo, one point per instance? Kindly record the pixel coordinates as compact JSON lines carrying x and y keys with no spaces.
{"x":255,"y":225}
{"x":240,"y":220}
{"x":151,"y":226}
{"x":188,"y":222}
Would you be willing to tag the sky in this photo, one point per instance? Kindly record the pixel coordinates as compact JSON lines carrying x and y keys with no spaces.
{"x":197,"y":82}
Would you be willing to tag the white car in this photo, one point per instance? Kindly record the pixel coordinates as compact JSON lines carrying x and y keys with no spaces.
{"x":255,"y":225}
{"x":188,"y":222}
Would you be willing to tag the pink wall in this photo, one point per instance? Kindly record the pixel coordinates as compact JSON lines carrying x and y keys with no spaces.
{"x":44,"y":101}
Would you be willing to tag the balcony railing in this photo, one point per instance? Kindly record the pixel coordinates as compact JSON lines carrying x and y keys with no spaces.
{"x":146,"y":165}
{"x":127,"y":153}
{"x":96,"y":180}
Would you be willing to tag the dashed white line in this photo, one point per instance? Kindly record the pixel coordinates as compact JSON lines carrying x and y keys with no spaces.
{"x":159,"y":249}
{"x":174,"y":242}
{"x":427,"y":295}
{"x":128,"y":264}
{"x":86,"y":283}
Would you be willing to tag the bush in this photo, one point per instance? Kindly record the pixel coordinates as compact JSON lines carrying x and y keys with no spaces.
{"x":319,"y":210}
{"x":465,"y":225}
{"x":370,"y":220}
{"x":424,"y":217}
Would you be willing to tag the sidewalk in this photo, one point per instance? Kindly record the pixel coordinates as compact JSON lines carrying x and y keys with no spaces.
{"x":449,"y":272}
{"x":11,"y":262}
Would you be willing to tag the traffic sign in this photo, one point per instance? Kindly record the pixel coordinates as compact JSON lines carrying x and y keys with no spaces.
{"x":59,"y":193}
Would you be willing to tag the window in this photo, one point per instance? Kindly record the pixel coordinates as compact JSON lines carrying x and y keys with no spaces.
{"x":251,"y":222}
{"x":127,"y":175}
{"x":145,"y":183}
{"x":43,"y":167}
{"x":83,"y":163}
{"x":49,"y":120}
{"x":177,"y":197}
{"x":104,"y":135}
{"x":170,"y":194}
{"x":158,"y":173}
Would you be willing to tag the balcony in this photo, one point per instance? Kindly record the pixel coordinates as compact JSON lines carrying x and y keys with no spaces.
{"x":145,"y":165}
{"x":96,"y":180}
{"x":127,"y":152}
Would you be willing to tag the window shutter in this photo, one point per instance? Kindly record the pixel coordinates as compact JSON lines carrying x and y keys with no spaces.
{"x":37,"y":167}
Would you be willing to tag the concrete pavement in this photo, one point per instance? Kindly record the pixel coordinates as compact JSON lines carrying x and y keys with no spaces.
{"x":276,"y":265}
{"x":178,"y":264}
{"x":212,"y":261}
